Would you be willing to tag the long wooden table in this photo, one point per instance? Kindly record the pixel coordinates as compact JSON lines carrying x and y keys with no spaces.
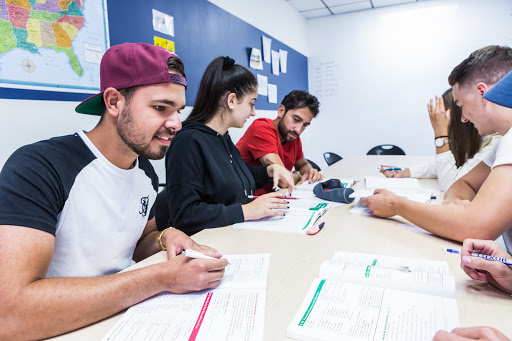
{"x":295,"y":259}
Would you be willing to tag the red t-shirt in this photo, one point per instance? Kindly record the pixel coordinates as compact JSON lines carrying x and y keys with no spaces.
{"x":261,"y":138}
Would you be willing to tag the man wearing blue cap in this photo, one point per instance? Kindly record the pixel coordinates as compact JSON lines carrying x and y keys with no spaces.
{"x":495,"y":273}
{"x":478,"y":204}
{"x":77,"y":209}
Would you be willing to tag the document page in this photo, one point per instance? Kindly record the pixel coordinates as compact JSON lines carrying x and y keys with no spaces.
{"x":421,"y":196}
{"x":374,"y":182}
{"x":417,"y":275}
{"x":235,"y":310}
{"x":246,"y":271}
{"x":336,"y":310}
{"x":302,"y":214}
{"x":208,"y":315}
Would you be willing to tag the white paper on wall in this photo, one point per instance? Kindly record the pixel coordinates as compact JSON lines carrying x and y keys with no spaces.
{"x":283,"y":60}
{"x":163,"y":23}
{"x":262,"y":85}
{"x":272,"y":93}
{"x":267,"y":43}
{"x":275,"y":62}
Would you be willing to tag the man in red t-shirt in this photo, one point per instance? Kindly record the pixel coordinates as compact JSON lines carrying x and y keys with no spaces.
{"x":269,"y":141}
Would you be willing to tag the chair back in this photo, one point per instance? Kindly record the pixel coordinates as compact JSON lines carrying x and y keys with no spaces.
{"x":314,"y":165}
{"x":331,"y":158}
{"x":386,"y":149}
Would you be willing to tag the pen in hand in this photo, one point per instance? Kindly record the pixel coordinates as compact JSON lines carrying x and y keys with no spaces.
{"x":479,"y":255}
{"x":284,"y":197}
{"x":196,"y":254}
{"x":390,"y":168}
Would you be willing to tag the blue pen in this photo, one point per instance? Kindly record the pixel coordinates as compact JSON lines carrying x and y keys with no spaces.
{"x":390,"y":168}
{"x":497,"y":259}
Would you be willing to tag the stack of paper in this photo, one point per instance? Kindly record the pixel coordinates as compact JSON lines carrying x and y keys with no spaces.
{"x":405,"y":187}
{"x":369,"y":297}
{"x":235,"y":310}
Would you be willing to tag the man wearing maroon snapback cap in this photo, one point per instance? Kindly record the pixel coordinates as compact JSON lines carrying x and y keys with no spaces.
{"x":75,"y":210}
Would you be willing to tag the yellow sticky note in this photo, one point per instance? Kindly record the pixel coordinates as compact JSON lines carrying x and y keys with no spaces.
{"x":165,"y":43}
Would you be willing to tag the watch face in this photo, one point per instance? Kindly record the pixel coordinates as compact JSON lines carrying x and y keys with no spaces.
{"x":440,"y":142}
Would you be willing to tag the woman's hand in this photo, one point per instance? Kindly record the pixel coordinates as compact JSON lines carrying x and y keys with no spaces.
{"x":278,"y":172}
{"x":439,"y":116}
{"x":405,"y":173}
{"x":266,"y":205}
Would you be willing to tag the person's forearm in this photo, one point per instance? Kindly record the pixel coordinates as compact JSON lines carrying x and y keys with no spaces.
{"x":296,"y":177}
{"x":452,"y":222}
{"x":459,"y":190}
{"x":146,"y":247}
{"x":305,"y":168}
{"x":49,"y":307}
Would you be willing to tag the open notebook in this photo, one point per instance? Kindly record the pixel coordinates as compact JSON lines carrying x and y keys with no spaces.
{"x":369,"y":297}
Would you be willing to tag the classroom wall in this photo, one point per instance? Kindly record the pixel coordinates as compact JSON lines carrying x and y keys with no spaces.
{"x":276,"y":18}
{"x":375,"y":71}
{"x":28,"y":121}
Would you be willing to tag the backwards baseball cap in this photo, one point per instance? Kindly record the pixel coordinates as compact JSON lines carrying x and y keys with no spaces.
{"x":131,"y":64}
{"x":501,"y":92}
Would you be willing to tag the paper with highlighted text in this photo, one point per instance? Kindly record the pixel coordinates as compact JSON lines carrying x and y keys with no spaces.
{"x":369,"y":297}
{"x":235,"y":310}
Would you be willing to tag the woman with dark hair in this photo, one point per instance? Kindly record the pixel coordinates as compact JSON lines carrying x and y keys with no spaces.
{"x":208,"y":183}
{"x":459,"y":147}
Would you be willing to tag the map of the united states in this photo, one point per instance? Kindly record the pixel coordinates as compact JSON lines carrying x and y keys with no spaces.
{"x":34,"y":24}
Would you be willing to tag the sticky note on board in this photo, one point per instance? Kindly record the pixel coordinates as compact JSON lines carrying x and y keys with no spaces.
{"x":165,"y":43}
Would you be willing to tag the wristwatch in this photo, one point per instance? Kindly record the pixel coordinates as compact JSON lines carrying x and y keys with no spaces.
{"x":441,"y":141}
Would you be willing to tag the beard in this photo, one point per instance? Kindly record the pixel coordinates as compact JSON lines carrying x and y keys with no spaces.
{"x":283,"y":131}
{"x":136,"y":141}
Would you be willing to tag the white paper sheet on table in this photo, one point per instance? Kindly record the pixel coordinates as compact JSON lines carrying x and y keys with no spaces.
{"x":235,"y":310}
{"x":374,"y":182}
{"x":301,"y":215}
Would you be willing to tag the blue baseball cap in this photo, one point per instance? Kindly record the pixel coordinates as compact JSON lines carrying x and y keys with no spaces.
{"x":501,"y":92}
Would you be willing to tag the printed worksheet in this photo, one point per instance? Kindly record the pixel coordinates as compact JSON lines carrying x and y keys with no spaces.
{"x":372,"y":297}
{"x":235,"y":310}
{"x":302,"y":214}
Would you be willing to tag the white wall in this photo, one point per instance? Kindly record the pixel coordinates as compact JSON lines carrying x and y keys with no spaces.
{"x":24,"y":121}
{"x":374,"y":71}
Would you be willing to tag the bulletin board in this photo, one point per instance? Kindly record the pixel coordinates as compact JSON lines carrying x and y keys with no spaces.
{"x":202,"y":32}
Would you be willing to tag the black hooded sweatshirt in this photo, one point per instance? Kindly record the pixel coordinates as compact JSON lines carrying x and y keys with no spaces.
{"x":207,"y":179}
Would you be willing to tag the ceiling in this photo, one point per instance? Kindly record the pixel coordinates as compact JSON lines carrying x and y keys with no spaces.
{"x":322,"y":8}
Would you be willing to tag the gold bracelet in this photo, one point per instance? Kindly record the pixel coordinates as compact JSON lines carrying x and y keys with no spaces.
{"x":162,"y":246}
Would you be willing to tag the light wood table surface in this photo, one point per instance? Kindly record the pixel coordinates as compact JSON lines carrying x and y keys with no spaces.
{"x":295,"y":259}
